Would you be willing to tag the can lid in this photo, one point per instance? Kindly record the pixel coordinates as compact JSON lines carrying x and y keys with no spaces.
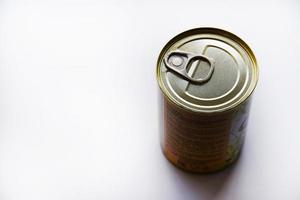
{"x":207,"y":70}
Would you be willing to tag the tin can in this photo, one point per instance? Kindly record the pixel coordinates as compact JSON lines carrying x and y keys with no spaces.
{"x":207,"y":76}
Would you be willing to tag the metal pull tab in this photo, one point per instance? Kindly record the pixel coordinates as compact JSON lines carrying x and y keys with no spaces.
{"x":178,"y":61}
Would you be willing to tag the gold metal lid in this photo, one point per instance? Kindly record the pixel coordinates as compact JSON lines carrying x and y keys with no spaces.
{"x":207,"y":70}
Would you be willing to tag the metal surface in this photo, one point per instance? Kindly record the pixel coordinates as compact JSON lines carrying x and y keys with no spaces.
{"x":207,"y":76}
{"x":223,"y":64}
{"x":179,"y":61}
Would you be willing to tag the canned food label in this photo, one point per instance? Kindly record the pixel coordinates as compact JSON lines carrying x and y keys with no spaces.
{"x":238,"y":131}
{"x":203,"y":144}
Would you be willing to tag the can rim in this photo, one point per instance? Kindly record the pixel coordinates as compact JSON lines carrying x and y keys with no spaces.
{"x":212,"y":30}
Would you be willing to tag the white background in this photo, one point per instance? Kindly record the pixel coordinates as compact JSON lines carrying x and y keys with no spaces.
{"x":79,"y":102}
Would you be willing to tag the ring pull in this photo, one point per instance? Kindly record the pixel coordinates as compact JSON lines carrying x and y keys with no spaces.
{"x":178,"y":61}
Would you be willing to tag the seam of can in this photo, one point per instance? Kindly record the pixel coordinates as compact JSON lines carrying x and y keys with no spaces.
{"x":222,"y":32}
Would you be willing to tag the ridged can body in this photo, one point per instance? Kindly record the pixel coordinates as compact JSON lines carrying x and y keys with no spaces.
{"x":207,"y":76}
